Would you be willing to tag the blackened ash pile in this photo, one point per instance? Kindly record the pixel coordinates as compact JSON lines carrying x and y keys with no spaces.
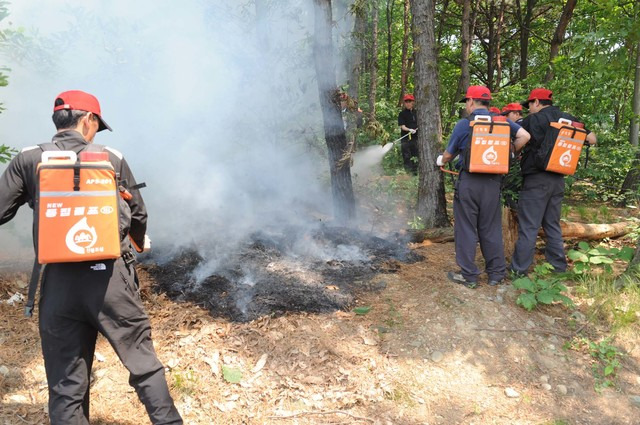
{"x":295,"y":270}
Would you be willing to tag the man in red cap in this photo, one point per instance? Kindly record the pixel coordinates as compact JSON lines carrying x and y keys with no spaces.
{"x":408,"y":122}
{"x":476,"y":202}
{"x":79,"y":300}
{"x":513,"y":111}
{"x":540,"y":199}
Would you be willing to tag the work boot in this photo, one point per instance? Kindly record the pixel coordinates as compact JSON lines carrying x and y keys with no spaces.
{"x":458,"y":278}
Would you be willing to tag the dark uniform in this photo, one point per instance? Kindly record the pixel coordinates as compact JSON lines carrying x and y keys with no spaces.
{"x":476,"y":210}
{"x":540,"y":200}
{"x":78,"y":300}
{"x":409,"y":145}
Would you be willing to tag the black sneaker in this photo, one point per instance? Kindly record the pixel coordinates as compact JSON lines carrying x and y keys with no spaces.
{"x":495,"y":282}
{"x":458,"y":278}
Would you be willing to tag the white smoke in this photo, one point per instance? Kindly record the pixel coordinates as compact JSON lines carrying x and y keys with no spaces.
{"x":213,"y":103}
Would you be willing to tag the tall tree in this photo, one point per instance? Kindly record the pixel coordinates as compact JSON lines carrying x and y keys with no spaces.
{"x":373,"y":71}
{"x":357,"y":47}
{"x":341,"y":185}
{"x":525,"y":32}
{"x":405,"y":49}
{"x":431,"y":206}
{"x":558,"y":35}
{"x":635,"y":118}
{"x":389,"y":16}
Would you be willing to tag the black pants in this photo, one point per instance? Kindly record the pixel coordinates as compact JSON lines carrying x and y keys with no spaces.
{"x":540,"y":204}
{"x":478,"y":218}
{"x":78,"y":300}
{"x":409,"y":150}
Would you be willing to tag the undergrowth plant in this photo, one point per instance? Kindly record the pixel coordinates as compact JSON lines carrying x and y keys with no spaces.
{"x":586,"y":258}
{"x":606,"y":359}
{"x":541,"y":287}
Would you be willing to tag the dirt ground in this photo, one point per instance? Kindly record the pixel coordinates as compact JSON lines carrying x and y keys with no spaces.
{"x":428,"y":352}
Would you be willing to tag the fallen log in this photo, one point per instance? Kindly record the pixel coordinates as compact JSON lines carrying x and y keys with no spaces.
{"x":570,"y":230}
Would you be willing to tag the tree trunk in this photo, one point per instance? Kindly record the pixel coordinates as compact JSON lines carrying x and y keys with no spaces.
{"x":341,"y":186}
{"x":390,"y":6}
{"x":465,"y":75}
{"x":558,"y":36}
{"x":525,"y":31}
{"x":635,"y":120}
{"x":405,"y":49}
{"x":491,"y":45}
{"x":431,"y":206}
{"x":373,"y":70}
{"x":465,"y":51}
{"x":499,"y":45}
{"x":358,"y":37}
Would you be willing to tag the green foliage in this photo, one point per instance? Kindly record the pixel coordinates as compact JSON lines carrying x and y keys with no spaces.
{"x":184,"y":382}
{"x":606,"y":359}
{"x":586,"y":258}
{"x":231,"y":375}
{"x":416,"y":223}
{"x":541,"y":287}
{"x":6,"y":152}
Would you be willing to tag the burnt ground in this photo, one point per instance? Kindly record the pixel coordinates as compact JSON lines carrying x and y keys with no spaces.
{"x":427,"y":352}
{"x":313,"y":270}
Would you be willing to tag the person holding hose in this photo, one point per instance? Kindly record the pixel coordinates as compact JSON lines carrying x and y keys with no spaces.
{"x":78,"y":300}
{"x":476,"y":202}
{"x":408,"y":122}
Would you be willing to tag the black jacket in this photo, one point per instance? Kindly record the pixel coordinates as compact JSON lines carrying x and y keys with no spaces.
{"x":18,"y":182}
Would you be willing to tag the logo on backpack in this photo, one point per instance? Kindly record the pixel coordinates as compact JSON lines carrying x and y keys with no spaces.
{"x":81,"y":237}
{"x":490,"y":156}
{"x":565,"y":159}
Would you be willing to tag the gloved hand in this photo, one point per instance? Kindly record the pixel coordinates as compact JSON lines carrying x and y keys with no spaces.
{"x":413,"y":130}
{"x":439,"y":161}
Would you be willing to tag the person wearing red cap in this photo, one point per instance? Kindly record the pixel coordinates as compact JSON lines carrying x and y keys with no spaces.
{"x":408,"y":122}
{"x":79,"y":300}
{"x":494,"y":110}
{"x":513,"y":111}
{"x":476,"y":202}
{"x":540,"y":200}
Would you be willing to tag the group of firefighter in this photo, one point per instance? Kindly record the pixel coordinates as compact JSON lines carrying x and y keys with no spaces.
{"x":547,"y":145}
{"x":80,"y":299}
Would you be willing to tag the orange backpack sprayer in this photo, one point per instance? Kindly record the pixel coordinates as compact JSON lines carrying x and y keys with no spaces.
{"x":561,"y":147}
{"x":489,"y":148}
{"x":77,"y":208}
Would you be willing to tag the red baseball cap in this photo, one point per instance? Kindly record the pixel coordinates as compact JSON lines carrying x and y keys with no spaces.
{"x":512,"y":107}
{"x":494,"y":110}
{"x":408,"y":96}
{"x":540,"y":94}
{"x":477,"y":92}
{"x":80,"y":101}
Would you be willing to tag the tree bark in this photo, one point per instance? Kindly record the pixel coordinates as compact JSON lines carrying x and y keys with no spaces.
{"x":389,"y":16}
{"x":341,"y":185}
{"x":558,"y":36}
{"x":373,"y":70}
{"x":358,"y":37}
{"x":499,"y":45}
{"x":525,"y":31}
{"x":570,"y":230}
{"x":635,"y":118}
{"x":431,"y":206}
{"x":405,"y":49}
